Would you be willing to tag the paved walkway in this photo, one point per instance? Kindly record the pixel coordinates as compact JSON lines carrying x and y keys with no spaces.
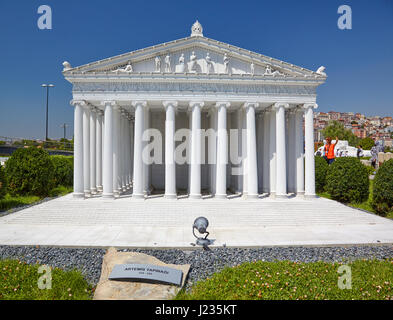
{"x":161,"y":223}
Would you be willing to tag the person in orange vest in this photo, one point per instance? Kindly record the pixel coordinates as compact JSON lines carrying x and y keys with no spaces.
{"x":329,"y":150}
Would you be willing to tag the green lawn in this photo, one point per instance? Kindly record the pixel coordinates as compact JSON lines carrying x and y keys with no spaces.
{"x":10,"y":202}
{"x":366,"y":205}
{"x":19,"y":281}
{"x":286,"y":280}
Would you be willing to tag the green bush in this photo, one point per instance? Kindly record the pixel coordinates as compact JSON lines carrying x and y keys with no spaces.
{"x":3,"y":183}
{"x":383,"y":188}
{"x":63,"y":171}
{"x":29,"y":171}
{"x":367,"y":143}
{"x":321,"y":168}
{"x":347,"y":180}
{"x":370,"y":170}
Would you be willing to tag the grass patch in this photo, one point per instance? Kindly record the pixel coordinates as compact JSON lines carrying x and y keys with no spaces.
{"x":366,"y":205}
{"x":10,"y":202}
{"x":60,"y":191}
{"x":286,"y":280}
{"x":19,"y":281}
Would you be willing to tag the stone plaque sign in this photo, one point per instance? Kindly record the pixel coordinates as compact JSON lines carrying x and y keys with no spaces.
{"x":136,"y":290}
{"x":146,"y":273}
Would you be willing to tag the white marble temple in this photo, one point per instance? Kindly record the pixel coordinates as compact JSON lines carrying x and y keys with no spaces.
{"x":200,"y":84}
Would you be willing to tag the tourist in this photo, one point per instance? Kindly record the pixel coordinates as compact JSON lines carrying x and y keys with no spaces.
{"x":359,"y":152}
{"x":329,"y":150}
{"x":374,"y":155}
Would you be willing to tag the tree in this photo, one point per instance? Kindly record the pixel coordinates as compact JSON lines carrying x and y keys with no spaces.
{"x":367,"y":143}
{"x":336,"y":129}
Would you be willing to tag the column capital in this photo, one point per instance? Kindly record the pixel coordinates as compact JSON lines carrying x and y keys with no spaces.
{"x":292,"y":110}
{"x":172,"y":103}
{"x":250,"y":104}
{"x":108,"y":102}
{"x":82,"y":103}
{"x":193,"y":104}
{"x":137,"y":103}
{"x":309,"y":105}
{"x":225,"y":104}
{"x":278,"y":105}
{"x":91,"y":107}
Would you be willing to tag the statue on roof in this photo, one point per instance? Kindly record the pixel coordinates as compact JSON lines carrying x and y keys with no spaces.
{"x":321,"y":71}
{"x":182,"y":67}
{"x":193,"y":62}
{"x":209,"y":63}
{"x":67,"y":66}
{"x":226,"y":63}
{"x":157,"y":61}
{"x":252,"y":68}
{"x":196,"y":29}
{"x":127,"y":69}
{"x":168,"y":63}
{"x":270,"y":72}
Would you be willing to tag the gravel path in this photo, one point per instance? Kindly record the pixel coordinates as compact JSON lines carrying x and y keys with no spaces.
{"x":203,"y":263}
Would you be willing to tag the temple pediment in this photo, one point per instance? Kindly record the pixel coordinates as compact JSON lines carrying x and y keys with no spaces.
{"x":194,"y":55}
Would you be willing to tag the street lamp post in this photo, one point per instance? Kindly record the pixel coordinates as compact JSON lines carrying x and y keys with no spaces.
{"x":64,"y":126}
{"x":47,"y":86}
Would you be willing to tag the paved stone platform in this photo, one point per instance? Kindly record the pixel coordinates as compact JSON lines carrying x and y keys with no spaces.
{"x":157,"y":222}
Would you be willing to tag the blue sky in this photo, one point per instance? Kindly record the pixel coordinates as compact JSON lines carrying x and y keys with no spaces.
{"x":359,"y":62}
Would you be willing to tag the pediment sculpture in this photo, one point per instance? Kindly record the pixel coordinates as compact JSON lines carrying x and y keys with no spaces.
{"x":252,"y":68}
{"x":157,"y":61}
{"x":209,"y":64}
{"x":226,"y":63}
{"x":127,"y":69}
{"x":168,"y":63}
{"x":182,"y":65}
{"x":193,"y":62}
{"x":270,"y":72}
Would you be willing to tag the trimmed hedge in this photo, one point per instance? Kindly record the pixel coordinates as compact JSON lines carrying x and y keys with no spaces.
{"x":383,"y":188}
{"x":63,"y":170}
{"x":347,"y":180}
{"x":321,"y":168}
{"x":29,"y":171}
{"x":3,"y":183}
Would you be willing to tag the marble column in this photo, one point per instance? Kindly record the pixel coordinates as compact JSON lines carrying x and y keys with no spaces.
{"x":252,"y":181}
{"x":128,"y":152}
{"x":146,"y":166}
{"x":195,"y":165}
{"x":78,"y":149}
{"x":93,"y":181}
{"x":123,"y":149}
{"x":107,"y":169}
{"x":299,"y":151}
{"x":138,"y":149}
{"x":281,"y":174}
{"x":131,"y":151}
{"x":86,"y":150}
{"x":170,"y":165}
{"x":272,"y":153}
{"x":241,"y":172}
{"x":265,"y":155}
{"x":116,"y":151}
{"x":222,"y":150}
{"x":212,"y":158}
{"x":309,"y":150}
{"x":244,"y":134}
{"x":99,"y":150}
{"x":291,"y":153}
